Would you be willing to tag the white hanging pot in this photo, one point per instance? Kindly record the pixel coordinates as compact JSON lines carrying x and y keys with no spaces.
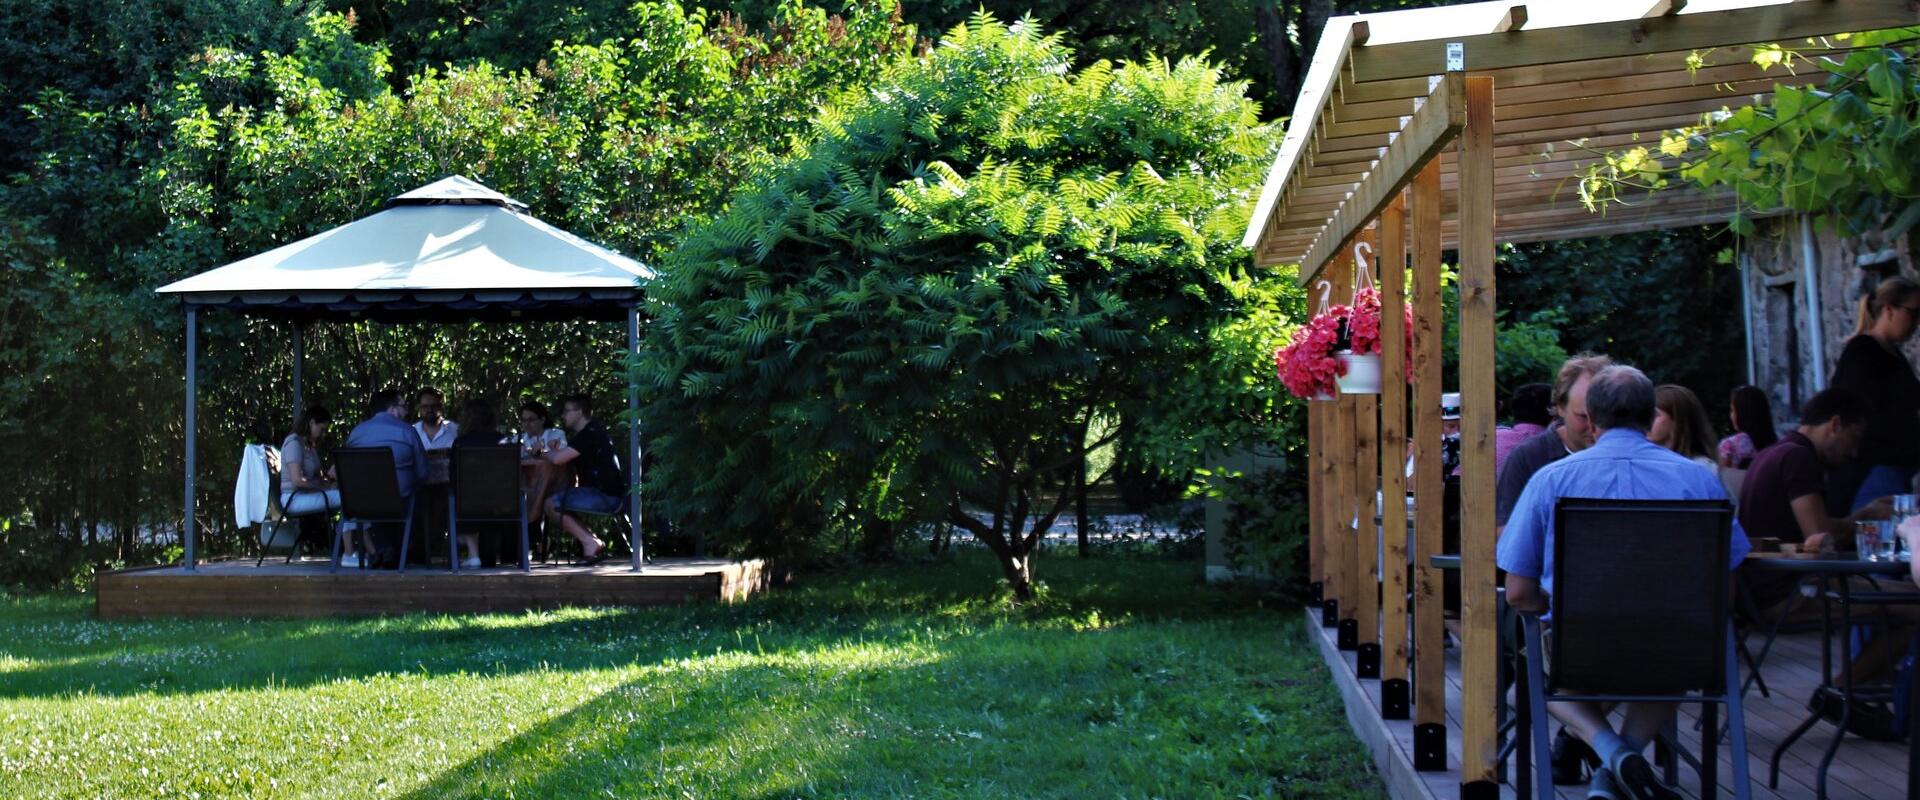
{"x":1363,"y":373}
{"x":1322,"y":397}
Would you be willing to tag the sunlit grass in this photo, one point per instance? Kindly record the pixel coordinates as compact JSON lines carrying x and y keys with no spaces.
{"x":1128,"y":678}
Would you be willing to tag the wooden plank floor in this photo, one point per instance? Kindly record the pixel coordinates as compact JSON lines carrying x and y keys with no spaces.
{"x":306,"y":588}
{"x":1861,"y":770}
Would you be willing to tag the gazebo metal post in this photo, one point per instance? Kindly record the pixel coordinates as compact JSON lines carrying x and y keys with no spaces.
{"x":633,"y":437}
{"x":193,"y":357}
{"x":299,"y":367}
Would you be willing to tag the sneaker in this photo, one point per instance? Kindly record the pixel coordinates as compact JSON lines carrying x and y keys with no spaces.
{"x":1632,"y":772}
{"x":1869,"y":721}
{"x":351,"y":560}
{"x":1571,"y":759}
{"x":470,"y":562}
{"x":1604,"y":787}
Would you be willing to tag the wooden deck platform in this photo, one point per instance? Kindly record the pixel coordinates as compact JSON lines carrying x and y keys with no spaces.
{"x":306,"y":589}
{"x":1861,"y":770}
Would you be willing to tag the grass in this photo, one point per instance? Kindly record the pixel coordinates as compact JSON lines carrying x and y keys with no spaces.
{"x":1127,"y":679}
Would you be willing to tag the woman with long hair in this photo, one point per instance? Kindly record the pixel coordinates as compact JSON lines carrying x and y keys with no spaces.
{"x":1680,"y":424}
{"x":1873,"y":366}
{"x":1752,"y":419}
{"x":304,"y":487}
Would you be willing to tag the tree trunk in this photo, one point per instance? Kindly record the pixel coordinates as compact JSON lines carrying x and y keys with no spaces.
{"x":1019,"y":569}
{"x":1080,"y":506}
{"x":1270,"y":30}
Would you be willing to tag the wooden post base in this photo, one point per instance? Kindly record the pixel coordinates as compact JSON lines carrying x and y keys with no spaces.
{"x":1430,"y":747}
{"x":1396,"y":699}
{"x":1366,"y":662}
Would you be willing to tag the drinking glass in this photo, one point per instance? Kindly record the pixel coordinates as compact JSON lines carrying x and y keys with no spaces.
{"x":1904,"y":505}
{"x":1867,"y":539}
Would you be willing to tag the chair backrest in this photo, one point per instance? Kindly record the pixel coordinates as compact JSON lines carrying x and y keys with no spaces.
{"x":486,"y":481}
{"x":1640,"y":595}
{"x":369,"y":487}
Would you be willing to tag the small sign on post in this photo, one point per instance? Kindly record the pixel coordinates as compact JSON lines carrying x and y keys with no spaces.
{"x":1456,"y":56}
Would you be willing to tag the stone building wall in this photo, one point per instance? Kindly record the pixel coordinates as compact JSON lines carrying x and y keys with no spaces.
{"x":1781,"y":334}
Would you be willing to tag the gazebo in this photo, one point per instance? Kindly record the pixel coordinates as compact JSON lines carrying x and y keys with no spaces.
{"x":1396,"y":151}
{"x":452,"y":250}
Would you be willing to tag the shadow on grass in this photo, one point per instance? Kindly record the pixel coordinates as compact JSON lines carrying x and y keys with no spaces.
{"x":1009,"y":711}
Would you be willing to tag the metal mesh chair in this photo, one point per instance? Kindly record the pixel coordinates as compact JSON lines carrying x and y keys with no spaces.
{"x":370,"y":492}
{"x":486,"y":488}
{"x":277,"y":514}
{"x":1641,"y":613}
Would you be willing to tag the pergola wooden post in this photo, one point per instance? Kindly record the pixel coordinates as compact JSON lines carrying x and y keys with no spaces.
{"x":1429,"y":645}
{"x":1480,"y":645}
{"x":1396,"y":649}
{"x":1366,"y":475}
{"x":1343,"y":510}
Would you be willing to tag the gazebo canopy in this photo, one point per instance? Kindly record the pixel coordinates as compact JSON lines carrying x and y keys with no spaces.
{"x":450,"y":250}
{"x":1573,"y":78}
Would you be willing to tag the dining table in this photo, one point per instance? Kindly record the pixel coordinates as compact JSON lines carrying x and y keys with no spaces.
{"x":1835,"y":574}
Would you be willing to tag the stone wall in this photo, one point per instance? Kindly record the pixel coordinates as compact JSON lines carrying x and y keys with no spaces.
{"x":1781,"y":334}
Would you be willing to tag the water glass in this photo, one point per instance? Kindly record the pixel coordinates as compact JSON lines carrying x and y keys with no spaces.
{"x":1868,"y":538}
{"x":1903,"y":506}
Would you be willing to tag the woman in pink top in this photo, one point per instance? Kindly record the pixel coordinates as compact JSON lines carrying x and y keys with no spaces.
{"x":1531,"y":408}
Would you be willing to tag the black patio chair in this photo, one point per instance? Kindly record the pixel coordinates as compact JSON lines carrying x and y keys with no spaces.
{"x":1641,"y":613}
{"x":369,"y":493}
{"x":622,"y":522}
{"x":277,"y":514}
{"x":486,"y":488}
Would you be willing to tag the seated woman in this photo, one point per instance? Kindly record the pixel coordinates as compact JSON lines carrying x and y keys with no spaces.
{"x":1680,"y":424}
{"x":538,"y":438}
{"x":479,"y":426}
{"x":304,"y":487}
{"x":1752,"y":418}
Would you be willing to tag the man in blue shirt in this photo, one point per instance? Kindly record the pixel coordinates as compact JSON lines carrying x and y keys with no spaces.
{"x":1621,"y":464}
{"x":386,"y":426}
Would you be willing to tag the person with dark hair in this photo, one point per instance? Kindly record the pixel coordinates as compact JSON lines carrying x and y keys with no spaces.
{"x":1784,"y":494}
{"x":1623,"y":465}
{"x":1785,"y":498}
{"x":1680,"y":424}
{"x":1531,"y":407}
{"x":386,"y":426}
{"x":480,"y":427}
{"x":1752,"y":419}
{"x":304,"y":487}
{"x":1873,"y":367}
{"x":601,"y":489}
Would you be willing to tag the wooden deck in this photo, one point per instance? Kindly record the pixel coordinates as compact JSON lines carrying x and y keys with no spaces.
{"x":1861,"y":770}
{"x":306,"y":589}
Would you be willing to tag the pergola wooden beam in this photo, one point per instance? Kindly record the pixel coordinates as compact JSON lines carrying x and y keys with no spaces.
{"x":1616,"y":38}
{"x":1428,"y":130}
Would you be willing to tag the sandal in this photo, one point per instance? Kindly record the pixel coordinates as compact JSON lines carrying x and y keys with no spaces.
{"x":598,"y":556}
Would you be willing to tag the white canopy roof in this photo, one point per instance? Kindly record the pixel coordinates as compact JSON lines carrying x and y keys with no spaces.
{"x":452,"y":249}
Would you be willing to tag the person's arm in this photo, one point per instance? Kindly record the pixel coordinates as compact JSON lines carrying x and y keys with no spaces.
{"x":1524,"y":594}
{"x":564,"y":454}
{"x":1810,"y":512}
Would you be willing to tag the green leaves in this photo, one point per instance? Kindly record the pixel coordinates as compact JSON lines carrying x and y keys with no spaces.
{"x":989,"y":250}
{"x":1842,"y":151}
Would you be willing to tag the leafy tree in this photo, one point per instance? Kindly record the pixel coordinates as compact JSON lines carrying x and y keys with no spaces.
{"x":920,"y":316}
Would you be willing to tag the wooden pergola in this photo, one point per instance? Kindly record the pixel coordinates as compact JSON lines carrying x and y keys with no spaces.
{"x":1459,"y":128}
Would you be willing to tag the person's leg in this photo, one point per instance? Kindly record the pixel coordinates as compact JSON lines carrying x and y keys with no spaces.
{"x":589,"y":545}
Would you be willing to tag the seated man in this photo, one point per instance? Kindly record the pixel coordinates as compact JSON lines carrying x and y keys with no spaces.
{"x":386,"y":426}
{"x":1784,"y":497}
{"x":1621,"y":464}
{"x":601,"y":488}
{"x":1569,"y":434}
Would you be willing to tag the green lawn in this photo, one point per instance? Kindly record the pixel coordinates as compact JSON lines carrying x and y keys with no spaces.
{"x":1128,"y":678}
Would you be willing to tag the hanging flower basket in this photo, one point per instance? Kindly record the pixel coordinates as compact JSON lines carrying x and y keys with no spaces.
{"x":1307,"y":365}
{"x":1338,"y":350}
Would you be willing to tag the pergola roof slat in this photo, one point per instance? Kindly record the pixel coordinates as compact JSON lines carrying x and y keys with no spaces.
{"x":1573,"y":80}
